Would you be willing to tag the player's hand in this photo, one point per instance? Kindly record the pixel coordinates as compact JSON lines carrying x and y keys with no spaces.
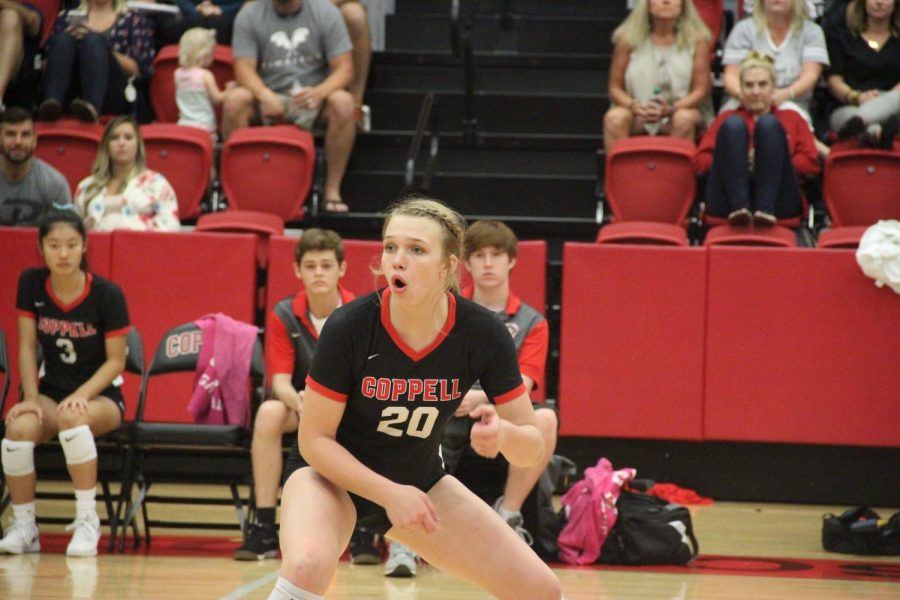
{"x":73,"y":404}
{"x":408,"y":507}
{"x":270,"y":105}
{"x":472,"y":399}
{"x":487,"y":433}
{"x":25,"y":407}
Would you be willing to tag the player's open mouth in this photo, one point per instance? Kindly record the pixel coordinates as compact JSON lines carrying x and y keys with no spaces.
{"x":397,"y":283}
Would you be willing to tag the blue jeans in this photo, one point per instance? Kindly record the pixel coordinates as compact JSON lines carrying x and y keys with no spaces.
{"x":90,"y":65}
{"x":775,"y":188}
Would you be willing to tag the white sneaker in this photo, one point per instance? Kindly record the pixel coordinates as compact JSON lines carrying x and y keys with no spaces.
{"x":401,"y":561}
{"x":86,"y":537}
{"x":21,"y":538}
{"x":514,"y":520}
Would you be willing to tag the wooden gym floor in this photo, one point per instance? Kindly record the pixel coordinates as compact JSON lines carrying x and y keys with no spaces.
{"x":760,"y":551}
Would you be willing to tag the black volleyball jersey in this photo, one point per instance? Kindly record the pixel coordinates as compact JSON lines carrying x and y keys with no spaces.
{"x":73,"y":336}
{"x":399,"y":400}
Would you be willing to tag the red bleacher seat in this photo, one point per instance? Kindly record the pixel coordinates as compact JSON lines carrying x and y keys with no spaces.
{"x":263,"y":225}
{"x":269,"y":169}
{"x":70,"y":146}
{"x":184,"y":155}
{"x":727,"y":235}
{"x":649,"y":179}
{"x":162,"y":84}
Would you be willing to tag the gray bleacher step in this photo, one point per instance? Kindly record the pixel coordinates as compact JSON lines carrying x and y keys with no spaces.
{"x":535,"y":197}
{"x":547,"y":60}
{"x":582,"y":8}
{"x":489,"y":78}
{"x":572,"y":35}
{"x":400,"y":139}
{"x":496,"y":112}
{"x":551,"y":163}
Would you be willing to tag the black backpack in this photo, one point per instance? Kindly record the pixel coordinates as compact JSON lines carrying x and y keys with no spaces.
{"x":860,"y":530}
{"x":649,"y":531}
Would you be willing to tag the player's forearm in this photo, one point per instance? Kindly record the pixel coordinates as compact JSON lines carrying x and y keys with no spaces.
{"x":523,"y":445}
{"x":285,"y":392}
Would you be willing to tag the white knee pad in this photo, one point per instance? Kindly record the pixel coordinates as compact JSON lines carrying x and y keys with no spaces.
{"x":78,"y":444}
{"x":18,"y":457}
{"x":285,"y":590}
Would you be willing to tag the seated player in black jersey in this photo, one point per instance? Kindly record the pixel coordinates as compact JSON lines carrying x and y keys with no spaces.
{"x":390,"y":370}
{"x":81,"y":322}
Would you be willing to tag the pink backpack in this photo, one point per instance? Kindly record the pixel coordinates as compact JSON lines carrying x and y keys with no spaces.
{"x":591,"y":507}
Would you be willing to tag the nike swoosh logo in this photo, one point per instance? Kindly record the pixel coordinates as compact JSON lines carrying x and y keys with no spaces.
{"x":69,"y":439}
{"x":12,"y":449}
{"x":38,"y":304}
{"x":373,"y":356}
{"x":295,"y":335}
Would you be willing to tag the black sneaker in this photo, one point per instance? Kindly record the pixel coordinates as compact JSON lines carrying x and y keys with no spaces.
{"x":261,"y":543}
{"x":363,"y":548}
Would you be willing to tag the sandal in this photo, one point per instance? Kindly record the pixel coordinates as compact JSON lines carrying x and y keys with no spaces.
{"x":335,"y":205}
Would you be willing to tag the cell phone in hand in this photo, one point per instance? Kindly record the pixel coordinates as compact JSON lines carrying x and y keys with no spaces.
{"x":76,"y":17}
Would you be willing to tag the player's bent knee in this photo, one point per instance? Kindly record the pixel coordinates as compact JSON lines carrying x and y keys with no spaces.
{"x":237,"y":100}
{"x":78,"y":445}
{"x":340,"y":105}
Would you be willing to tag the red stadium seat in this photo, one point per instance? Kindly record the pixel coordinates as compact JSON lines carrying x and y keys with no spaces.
{"x":726,"y":235}
{"x":649,"y":179}
{"x":281,"y":159}
{"x":162,"y":84}
{"x":263,"y":225}
{"x":184,"y":155}
{"x":861,"y":186}
{"x":69,"y":146}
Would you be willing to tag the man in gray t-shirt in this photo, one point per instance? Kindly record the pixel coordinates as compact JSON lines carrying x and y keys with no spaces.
{"x":292,"y":63}
{"x":28,"y":185}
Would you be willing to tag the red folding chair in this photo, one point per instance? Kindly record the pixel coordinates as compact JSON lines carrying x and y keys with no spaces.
{"x":184,"y":155}
{"x":162,"y":84}
{"x":650,"y":187}
{"x":263,"y":225}
{"x":70,"y":146}
{"x":268,"y":169}
{"x":860,"y":187}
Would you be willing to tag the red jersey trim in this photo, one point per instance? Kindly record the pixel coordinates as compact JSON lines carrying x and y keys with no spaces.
{"x":74,"y":304}
{"x":511,"y":395}
{"x":27,"y":314}
{"x":441,"y":336}
{"x":327,"y":392}
{"x":117,"y":332}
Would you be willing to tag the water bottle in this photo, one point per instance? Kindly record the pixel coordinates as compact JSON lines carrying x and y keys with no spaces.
{"x":295,"y":113}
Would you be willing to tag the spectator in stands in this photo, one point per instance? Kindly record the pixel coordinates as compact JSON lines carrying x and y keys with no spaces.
{"x":121,"y":192}
{"x":781,"y":29}
{"x":292,"y":62}
{"x":760,"y":140}
{"x":20,"y":34}
{"x":29,"y":187}
{"x":80,"y":321}
{"x":94,"y":54}
{"x":659,"y":80}
{"x":865,"y":71}
{"x":196,"y":90}
{"x":292,"y":331}
{"x":217,"y":15}
{"x":357,"y":22}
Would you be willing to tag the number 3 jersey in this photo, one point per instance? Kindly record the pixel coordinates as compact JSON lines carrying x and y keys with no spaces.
{"x":399,"y":400}
{"x":72,"y":336}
